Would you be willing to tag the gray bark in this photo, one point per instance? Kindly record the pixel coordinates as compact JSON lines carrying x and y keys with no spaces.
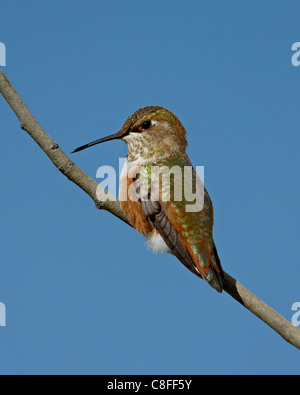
{"x":61,"y":161}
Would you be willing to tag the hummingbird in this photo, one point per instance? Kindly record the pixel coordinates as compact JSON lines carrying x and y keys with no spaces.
{"x":156,"y":138}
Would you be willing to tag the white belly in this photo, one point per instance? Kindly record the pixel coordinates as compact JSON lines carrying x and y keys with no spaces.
{"x":156,"y":243}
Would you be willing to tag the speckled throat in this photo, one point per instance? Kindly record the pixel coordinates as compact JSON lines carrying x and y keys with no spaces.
{"x":144,"y":147}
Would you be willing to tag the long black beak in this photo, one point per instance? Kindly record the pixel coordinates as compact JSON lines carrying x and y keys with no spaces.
{"x":108,"y":138}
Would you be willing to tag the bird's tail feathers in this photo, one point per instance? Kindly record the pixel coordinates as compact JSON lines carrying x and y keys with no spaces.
{"x":214,"y":276}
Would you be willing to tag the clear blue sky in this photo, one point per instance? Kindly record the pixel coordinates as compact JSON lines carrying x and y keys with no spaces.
{"x":82,"y":293}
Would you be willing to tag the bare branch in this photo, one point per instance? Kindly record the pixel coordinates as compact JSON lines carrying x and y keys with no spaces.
{"x":61,"y":161}
{"x":55,"y":153}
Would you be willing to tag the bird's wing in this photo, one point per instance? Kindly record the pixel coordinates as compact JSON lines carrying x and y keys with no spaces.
{"x":158,"y":217}
{"x":187,"y":234}
{"x":205,"y":265}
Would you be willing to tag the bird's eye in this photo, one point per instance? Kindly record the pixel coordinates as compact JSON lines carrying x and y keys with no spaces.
{"x":146,"y":125}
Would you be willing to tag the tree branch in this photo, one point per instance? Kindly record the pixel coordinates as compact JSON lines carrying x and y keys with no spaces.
{"x":61,"y":161}
{"x":55,"y":153}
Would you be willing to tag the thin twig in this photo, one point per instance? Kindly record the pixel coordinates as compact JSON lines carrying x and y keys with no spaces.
{"x":61,"y":161}
{"x":55,"y":153}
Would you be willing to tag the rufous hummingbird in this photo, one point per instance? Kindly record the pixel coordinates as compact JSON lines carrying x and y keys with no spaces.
{"x":156,"y":138}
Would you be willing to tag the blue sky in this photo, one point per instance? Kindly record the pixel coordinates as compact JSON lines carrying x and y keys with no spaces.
{"x":82,"y":293}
